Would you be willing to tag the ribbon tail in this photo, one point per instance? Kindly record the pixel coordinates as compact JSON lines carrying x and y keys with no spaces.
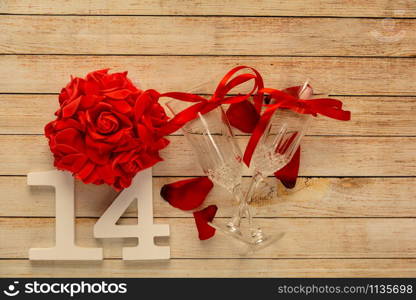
{"x":331,"y":108}
{"x":178,"y":121}
{"x":289,"y":173}
{"x":257,"y":134}
{"x":338,"y":114}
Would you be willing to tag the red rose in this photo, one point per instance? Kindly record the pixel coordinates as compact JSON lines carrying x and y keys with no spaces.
{"x":106,"y":129}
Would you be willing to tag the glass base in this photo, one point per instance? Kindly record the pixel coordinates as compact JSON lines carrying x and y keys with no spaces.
{"x":254,"y":242}
{"x":264,"y":241}
{"x":229,"y":230}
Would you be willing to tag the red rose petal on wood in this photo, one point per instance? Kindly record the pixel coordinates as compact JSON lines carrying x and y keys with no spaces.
{"x":243,"y":116}
{"x":202,"y":217}
{"x":289,"y":173}
{"x":187,"y":194}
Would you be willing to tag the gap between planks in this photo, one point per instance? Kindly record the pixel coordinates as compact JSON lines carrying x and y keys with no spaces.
{"x":347,"y":76}
{"x":311,"y":197}
{"x":322,"y":156}
{"x":230,"y":267}
{"x":342,"y":8}
{"x":357,"y":238}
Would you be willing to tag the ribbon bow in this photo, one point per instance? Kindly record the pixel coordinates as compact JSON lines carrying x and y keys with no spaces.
{"x":331,"y":108}
{"x":218,"y":98}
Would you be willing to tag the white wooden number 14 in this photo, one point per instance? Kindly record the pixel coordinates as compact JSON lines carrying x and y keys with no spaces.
{"x":65,"y":248}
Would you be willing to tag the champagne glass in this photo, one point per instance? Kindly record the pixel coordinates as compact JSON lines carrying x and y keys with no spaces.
{"x":212,"y":140}
{"x":274,"y":150}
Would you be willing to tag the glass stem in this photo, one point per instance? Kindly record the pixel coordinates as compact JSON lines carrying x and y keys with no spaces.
{"x":227,"y":231}
{"x":256,"y":179}
{"x":244,"y":208}
{"x":234,"y":224}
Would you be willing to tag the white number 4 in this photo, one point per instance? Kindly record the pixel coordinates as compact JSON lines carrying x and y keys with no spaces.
{"x":144,"y":230}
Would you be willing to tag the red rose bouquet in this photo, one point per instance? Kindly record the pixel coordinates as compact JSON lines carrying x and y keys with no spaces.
{"x":106,"y":129}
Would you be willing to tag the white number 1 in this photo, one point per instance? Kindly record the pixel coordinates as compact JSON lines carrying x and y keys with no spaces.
{"x":65,"y":248}
{"x":144,"y":230}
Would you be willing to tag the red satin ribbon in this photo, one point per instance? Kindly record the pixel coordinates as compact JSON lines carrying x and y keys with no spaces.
{"x":218,"y":98}
{"x":331,"y":108}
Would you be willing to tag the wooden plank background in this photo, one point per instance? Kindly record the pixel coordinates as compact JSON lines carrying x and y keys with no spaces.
{"x":353,"y":212}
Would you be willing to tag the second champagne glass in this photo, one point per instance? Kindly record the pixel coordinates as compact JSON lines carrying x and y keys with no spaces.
{"x":274,"y":150}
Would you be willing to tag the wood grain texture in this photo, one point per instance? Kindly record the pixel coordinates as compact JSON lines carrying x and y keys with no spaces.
{"x":304,"y":238}
{"x":321,"y":156}
{"x":335,"y":76}
{"x":371,"y":116}
{"x":201,"y":36}
{"x":345,"y":8}
{"x":312,"y":197}
{"x":214,"y":268}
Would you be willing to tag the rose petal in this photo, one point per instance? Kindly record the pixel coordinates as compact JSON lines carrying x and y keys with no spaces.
{"x":119,"y":94}
{"x":289,"y":173}
{"x":106,"y":174}
{"x":91,"y":88}
{"x":121,"y":106}
{"x":85,"y":171}
{"x":69,"y":109}
{"x":187,"y":194}
{"x":97,"y":75}
{"x":243,"y":116}
{"x":69,"y":136}
{"x":88,"y":101}
{"x":202,"y":217}
{"x":64,"y":149}
{"x":72,"y":162}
